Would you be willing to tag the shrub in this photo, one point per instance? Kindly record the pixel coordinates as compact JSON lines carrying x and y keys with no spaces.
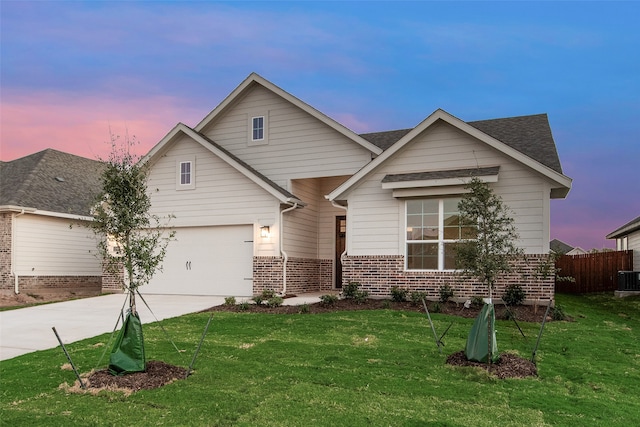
{"x":230,"y":301}
{"x":349,"y":291}
{"x":361,"y":296}
{"x":304,"y":308}
{"x":477,"y":301}
{"x":244,"y":306}
{"x":557,"y":313}
{"x":417,"y":297}
{"x":386,"y":304}
{"x":257,"y":299}
{"x":514,"y":295}
{"x":445,"y":293}
{"x":268,"y":293}
{"x":436,"y":307}
{"x":275,"y":301}
{"x":399,"y":294}
{"x":329,"y":300}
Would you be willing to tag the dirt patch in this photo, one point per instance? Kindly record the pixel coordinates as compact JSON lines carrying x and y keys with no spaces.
{"x":508,"y":366}
{"x":156,"y":375}
{"x":26,"y":300}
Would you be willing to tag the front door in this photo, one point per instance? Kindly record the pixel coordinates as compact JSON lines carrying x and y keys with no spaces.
{"x":341,"y":239}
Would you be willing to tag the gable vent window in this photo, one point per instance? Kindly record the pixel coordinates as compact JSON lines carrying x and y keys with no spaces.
{"x":258,"y":129}
{"x":185,"y":174}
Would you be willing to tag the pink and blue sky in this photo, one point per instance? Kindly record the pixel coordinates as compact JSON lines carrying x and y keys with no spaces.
{"x":72,"y":72}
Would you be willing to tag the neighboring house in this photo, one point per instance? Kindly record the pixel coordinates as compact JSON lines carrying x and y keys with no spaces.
{"x":628,"y":239}
{"x":41,"y":196}
{"x":269,"y":193}
{"x":560,"y":247}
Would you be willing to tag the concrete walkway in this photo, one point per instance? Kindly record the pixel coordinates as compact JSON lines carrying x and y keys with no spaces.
{"x":26,"y":330}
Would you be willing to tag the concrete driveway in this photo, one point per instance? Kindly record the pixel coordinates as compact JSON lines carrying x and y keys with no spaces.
{"x":29,"y":329}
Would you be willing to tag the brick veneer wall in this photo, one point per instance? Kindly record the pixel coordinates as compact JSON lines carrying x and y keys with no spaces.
{"x":6,"y":279}
{"x":378,"y":274}
{"x":112,"y":283}
{"x":303,"y":274}
{"x":45,"y":286}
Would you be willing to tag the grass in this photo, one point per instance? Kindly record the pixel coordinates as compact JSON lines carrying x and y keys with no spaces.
{"x":376,"y":368}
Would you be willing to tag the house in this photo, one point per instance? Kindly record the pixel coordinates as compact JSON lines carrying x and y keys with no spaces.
{"x":628,"y":239}
{"x":41,"y":196}
{"x":560,"y":247}
{"x":269,"y":193}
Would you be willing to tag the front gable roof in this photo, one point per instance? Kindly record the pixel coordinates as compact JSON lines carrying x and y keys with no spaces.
{"x":271,"y":187}
{"x":626,"y":229}
{"x":51,"y":181}
{"x":521,"y":149}
{"x":255,"y":79}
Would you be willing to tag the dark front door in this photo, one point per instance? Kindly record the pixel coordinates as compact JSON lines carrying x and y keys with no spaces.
{"x":341,"y":239}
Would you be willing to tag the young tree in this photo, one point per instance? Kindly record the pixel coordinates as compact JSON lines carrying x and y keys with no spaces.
{"x":131,"y":240}
{"x":485,"y":256}
{"x":493,"y":247}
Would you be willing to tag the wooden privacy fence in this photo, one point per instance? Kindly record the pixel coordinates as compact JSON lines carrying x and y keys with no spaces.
{"x":596,"y":272}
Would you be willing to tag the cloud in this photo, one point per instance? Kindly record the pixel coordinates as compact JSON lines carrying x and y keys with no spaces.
{"x":82,"y":124}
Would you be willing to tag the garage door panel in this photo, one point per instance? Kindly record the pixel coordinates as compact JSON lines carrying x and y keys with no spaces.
{"x":207,"y":261}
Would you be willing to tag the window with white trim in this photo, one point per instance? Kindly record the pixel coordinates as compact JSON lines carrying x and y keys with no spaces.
{"x":257,"y":128}
{"x":433,"y":229}
{"x":185,"y":174}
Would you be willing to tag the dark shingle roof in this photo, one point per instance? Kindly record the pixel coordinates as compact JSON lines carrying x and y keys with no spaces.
{"x":51,"y":180}
{"x":456,"y":173}
{"x":559,"y":246}
{"x":530,"y":135}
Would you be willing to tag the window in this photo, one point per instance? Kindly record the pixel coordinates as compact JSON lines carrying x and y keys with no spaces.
{"x":186,"y":173}
{"x":257,"y":128}
{"x":433,"y":230}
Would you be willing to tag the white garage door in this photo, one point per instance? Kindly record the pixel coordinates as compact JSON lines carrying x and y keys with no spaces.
{"x":207,"y":261}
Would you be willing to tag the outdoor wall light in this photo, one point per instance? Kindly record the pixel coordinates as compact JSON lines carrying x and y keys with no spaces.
{"x":264,"y":231}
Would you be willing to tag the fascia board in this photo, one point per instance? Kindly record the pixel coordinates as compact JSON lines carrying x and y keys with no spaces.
{"x":257,"y":79}
{"x":435,"y":182}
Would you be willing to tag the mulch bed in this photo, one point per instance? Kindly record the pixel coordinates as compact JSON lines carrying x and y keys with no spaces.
{"x":159,"y":373}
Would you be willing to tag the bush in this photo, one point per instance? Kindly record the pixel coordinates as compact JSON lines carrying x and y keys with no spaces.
{"x":557,"y":313}
{"x":275,"y":301}
{"x":514,"y":295}
{"x":257,"y":299}
{"x":417,"y":297}
{"x":329,"y":300}
{"x":230,"y":301}
{"x":477,"y":301}
{"x":436,"y":307}
{"x":445,"y":293}
{"x":349,"y":291}
{"x":361,"y":296}
{"x":244,"y":306}
{"x":399,"y":294}
{"x":268,"y":293}
{"x":386,"y":304}
{"x":304,"y":308}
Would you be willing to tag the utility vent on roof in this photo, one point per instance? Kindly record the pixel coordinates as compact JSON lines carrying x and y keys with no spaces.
{"x":59,"y":179}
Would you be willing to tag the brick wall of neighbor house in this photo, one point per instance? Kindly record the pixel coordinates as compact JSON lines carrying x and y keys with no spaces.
{"x":112,"y":283}
{"x":6,"y":279}
{"x":303,"y":274}
{"x":48,"y":286}
{"x":378,"y":274}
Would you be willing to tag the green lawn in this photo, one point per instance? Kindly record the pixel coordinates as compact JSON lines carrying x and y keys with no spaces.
{"x":377,"y":368}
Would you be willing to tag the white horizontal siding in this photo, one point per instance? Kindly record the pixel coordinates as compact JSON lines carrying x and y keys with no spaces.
{"x":301,"y":225}
{"x":377,"y":219}
{"x":299,"y":145}
{"x":633,"y":242}
{"x":223,"y":196}
{"x":46,"y":246}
